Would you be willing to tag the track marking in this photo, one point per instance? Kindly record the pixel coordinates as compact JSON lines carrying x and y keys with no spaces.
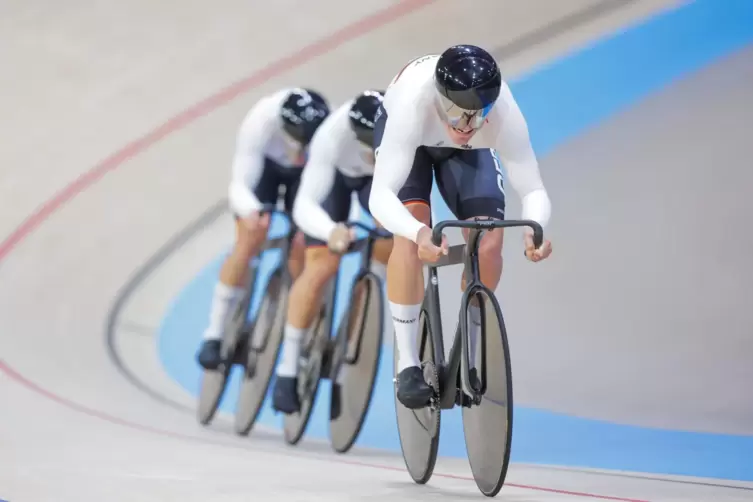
{"x":29,"y":385}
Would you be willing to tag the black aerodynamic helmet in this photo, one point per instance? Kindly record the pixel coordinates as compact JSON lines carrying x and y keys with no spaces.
{"x":362,"y":115}
{"x":468,"y":81}
{"x":303,"y":111}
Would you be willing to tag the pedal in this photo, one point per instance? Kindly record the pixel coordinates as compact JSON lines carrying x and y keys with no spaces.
{"x":432,"y":378}
{"x":462,"y":400}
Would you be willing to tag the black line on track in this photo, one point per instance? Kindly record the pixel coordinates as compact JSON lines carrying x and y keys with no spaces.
{"x":163,"y":253}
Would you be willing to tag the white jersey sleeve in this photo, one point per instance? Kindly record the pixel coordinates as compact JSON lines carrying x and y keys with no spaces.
{"x":257,"y":128}
{"x":517,"y":155}
{"x":317,"y":179}
{"x":394,"y":161}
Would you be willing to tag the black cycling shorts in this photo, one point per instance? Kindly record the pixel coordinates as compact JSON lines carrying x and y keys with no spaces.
{"x":273,"y":179}
{"x":337,"y":203}
{"x":470,"y":181}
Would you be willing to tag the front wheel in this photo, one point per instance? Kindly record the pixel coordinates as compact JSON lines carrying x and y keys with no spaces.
{"x":358,"y":348}
{"x":214,"y":382}
{"x":263,"y":349}
{"x":487,"y":427}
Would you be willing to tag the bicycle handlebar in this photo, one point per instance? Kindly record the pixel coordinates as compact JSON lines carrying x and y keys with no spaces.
{"x":374,"y":233}
{"x":538,"y":232}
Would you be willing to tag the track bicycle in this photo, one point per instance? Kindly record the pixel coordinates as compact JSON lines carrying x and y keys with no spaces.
{"x":252,"y":344}
{"x":487,"y":399}
{"x":357,"y":344}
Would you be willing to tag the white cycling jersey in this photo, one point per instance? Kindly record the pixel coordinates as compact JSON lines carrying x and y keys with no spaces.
{"x":413,"y":121}
{"x":333,"y":148}
{"x":260,"y":137}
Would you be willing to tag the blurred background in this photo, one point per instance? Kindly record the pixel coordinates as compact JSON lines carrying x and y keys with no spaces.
{"x":631,"y":346}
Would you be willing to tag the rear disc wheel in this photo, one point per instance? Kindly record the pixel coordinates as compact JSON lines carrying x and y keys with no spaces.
{"x":419,"y":429}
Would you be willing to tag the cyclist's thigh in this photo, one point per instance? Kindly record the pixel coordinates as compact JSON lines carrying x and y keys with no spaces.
{"x":267,"y":189}
{"x":417,"y":187}
{"x":336,"y":205}
{"x":290,"y":178}
{"x":472,"y":185}
{"x":363,"y":190}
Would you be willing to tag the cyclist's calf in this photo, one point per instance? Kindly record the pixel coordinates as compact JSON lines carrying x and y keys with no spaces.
{"x":307,"y":290}
{"x":405,"y":280}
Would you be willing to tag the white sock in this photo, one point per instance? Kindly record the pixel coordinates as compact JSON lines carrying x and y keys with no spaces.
{"x":474,"y":321}
{"x":405,"y":322}
{"x":291,"y":351}
{"x":224,"y":301}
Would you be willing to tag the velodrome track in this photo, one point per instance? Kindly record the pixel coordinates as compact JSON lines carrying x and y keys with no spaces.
{"x":92,"y":408}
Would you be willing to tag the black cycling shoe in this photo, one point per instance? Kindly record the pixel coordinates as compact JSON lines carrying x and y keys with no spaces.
{"x":285,"y":395}
{"x":412,"y":390}
{"x":209,"y":356}
{"x":335,"y":403}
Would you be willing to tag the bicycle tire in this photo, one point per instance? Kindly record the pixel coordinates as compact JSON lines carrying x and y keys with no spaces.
{"x":356,"y":392}
{"x":214,"y":382}
{"x":487,"y":427}
{"x":309,"y":376}
{"x":419,"y":429}
{"x":267,"y":335}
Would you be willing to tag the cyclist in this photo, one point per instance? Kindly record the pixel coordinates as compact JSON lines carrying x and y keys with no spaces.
{"x":450,"y":115}
{"x":270,"y":152}
{"x":341,"y":163}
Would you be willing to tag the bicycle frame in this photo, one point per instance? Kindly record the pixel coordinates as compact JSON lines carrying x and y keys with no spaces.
{"x":283,"y":243}
{"x":457,"y":362}
{"x":365,"y":247}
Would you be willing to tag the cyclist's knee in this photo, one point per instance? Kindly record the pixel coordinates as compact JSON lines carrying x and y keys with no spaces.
{"x":298,"y":245}
{"x":382,"y":250}
{"x":490,"y":247}
{"x":405,"y":250}
{"x":248,"y":240}
{"x":321,"y":265}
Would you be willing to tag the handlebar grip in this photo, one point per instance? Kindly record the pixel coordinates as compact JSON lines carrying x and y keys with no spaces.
{"x":436,"y":234}
{"x":538,"y":234}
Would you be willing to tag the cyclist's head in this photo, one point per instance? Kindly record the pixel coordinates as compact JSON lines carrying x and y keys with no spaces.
{"x":468,"y":82}
{"x":303,"y":111}
{"x":363,"y":113}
